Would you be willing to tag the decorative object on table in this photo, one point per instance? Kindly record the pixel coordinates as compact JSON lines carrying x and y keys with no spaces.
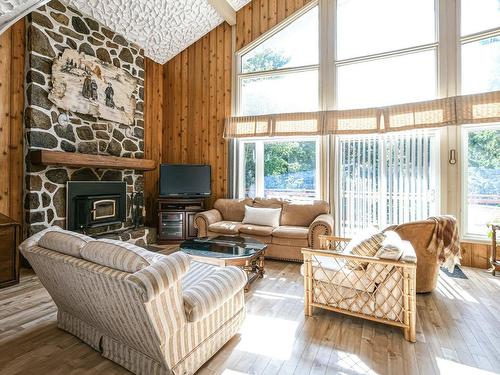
{"x":244,"y":252}
{"x":85,"y":84}
{"x":494,"y":262}
{"x":9,"y":253}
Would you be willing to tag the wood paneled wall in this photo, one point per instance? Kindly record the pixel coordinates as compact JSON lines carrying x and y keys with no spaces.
{"x":476,"y":254}
{"x":259,"y":16}
{"x":12,"y":44}
{"x":198,"y":90}
{"x":153,"y":133}
{"x":198,"y":99}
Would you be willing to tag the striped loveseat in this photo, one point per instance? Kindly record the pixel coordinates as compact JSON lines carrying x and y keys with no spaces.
{"x":150,"y":313}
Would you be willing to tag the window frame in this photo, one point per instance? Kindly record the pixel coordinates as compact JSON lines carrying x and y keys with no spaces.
{"x":259,"y":163}
{"x":240,"y":76}
{"x":448,"y":49}
{"x":464,"y":174}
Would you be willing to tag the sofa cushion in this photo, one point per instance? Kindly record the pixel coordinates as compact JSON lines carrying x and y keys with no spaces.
{"x":268,"y":202}
{"x":262,"y":216}
{"x":288,"y":231}
{"x":64,"y":242}
{"x":256,"y":230}
{"x":119,"y":255}
{"x":232,"y":209}
{"x":290,"y":242}
{"x":302,"y":214}
{"x":209,"y":294}
{"x":225,"y":227}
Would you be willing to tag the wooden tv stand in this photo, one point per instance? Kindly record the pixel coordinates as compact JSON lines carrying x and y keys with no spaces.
{"x":176,"y":218}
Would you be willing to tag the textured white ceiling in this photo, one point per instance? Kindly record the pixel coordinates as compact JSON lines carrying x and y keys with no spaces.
{"x":12,"y":10}
{"x":162,"y":27}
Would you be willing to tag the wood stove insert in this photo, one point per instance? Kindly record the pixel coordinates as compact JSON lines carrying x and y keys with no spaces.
{"x":95,"y":204}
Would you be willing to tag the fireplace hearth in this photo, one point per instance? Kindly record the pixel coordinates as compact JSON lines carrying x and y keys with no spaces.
{"x":95,"y":204}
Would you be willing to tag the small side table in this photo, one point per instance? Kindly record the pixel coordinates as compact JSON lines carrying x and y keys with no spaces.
{"x":494,"y":262}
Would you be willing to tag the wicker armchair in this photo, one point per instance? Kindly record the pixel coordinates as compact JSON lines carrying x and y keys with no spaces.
{"x":367,"y":287}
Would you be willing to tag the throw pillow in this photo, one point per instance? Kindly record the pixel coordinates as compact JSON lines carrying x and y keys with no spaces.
{"x":360,"y":237}
{"x":119,"y":255}
{"x":367,"y":248}
{"x":262,"y":216}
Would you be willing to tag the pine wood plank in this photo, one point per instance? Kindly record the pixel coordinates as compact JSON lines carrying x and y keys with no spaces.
{"x":5,"y":110}
{"x":16,"y":122}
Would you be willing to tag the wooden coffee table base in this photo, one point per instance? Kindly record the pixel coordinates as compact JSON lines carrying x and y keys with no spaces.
{"x":252,"y":265}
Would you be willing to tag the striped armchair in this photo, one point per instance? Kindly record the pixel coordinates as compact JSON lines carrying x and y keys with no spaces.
{"x":150,"y":313}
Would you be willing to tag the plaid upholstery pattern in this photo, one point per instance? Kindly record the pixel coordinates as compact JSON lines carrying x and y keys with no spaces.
{"x":138,"y":319}
{"x":366,"y":248}
{"x":126,"y":257}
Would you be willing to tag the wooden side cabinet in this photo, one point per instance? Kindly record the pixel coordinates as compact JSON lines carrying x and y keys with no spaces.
{"x":9,"y":253}
{"x":176,"y":218}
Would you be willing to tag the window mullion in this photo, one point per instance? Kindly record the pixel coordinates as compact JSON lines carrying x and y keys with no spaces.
{"x":449,"y":47}
{"x":259,"y":168}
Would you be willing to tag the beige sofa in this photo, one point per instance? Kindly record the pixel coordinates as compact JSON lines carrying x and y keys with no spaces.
{"x":150,"y":313}
{"x":301,"y":224}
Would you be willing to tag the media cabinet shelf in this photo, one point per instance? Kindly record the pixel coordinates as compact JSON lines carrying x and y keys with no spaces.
{"x":176,"y":218}
{"x":78,"y":160}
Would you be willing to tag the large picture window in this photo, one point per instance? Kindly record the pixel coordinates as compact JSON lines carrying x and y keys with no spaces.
{"x":373,"y":54}
{"x":280,"y":75}
{"x":377,"y":66}
{"x":481,"y":178}
{"x":480,"y":41}
{"x":279,"y":168}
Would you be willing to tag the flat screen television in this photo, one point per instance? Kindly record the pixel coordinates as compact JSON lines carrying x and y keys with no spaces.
{"x":185,"y":180}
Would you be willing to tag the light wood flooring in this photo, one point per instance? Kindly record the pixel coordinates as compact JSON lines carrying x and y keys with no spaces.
{"x":458,"y":331}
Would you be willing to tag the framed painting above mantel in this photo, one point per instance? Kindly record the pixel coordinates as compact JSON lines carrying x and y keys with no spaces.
{"x":87,"y":85}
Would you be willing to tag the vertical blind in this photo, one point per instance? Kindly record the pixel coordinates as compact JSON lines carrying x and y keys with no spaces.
{"x":387,"y":179}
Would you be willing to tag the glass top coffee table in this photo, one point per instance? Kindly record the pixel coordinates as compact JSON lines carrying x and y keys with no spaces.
{"x":244,"y":252}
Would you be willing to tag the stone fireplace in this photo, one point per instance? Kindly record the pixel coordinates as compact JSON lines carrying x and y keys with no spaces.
{"x":50,"y":30}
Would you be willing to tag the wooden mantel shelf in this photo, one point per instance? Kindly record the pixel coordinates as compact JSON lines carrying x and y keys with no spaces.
{"x":78,"y":160}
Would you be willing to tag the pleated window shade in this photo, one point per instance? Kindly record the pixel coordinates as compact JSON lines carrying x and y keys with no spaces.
{"x":458,"y":110}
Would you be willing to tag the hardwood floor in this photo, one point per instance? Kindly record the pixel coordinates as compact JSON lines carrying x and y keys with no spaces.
{"x":457,"y":332}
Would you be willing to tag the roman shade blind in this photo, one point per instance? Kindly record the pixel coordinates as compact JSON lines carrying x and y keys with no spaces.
{"x":457,"y":110}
